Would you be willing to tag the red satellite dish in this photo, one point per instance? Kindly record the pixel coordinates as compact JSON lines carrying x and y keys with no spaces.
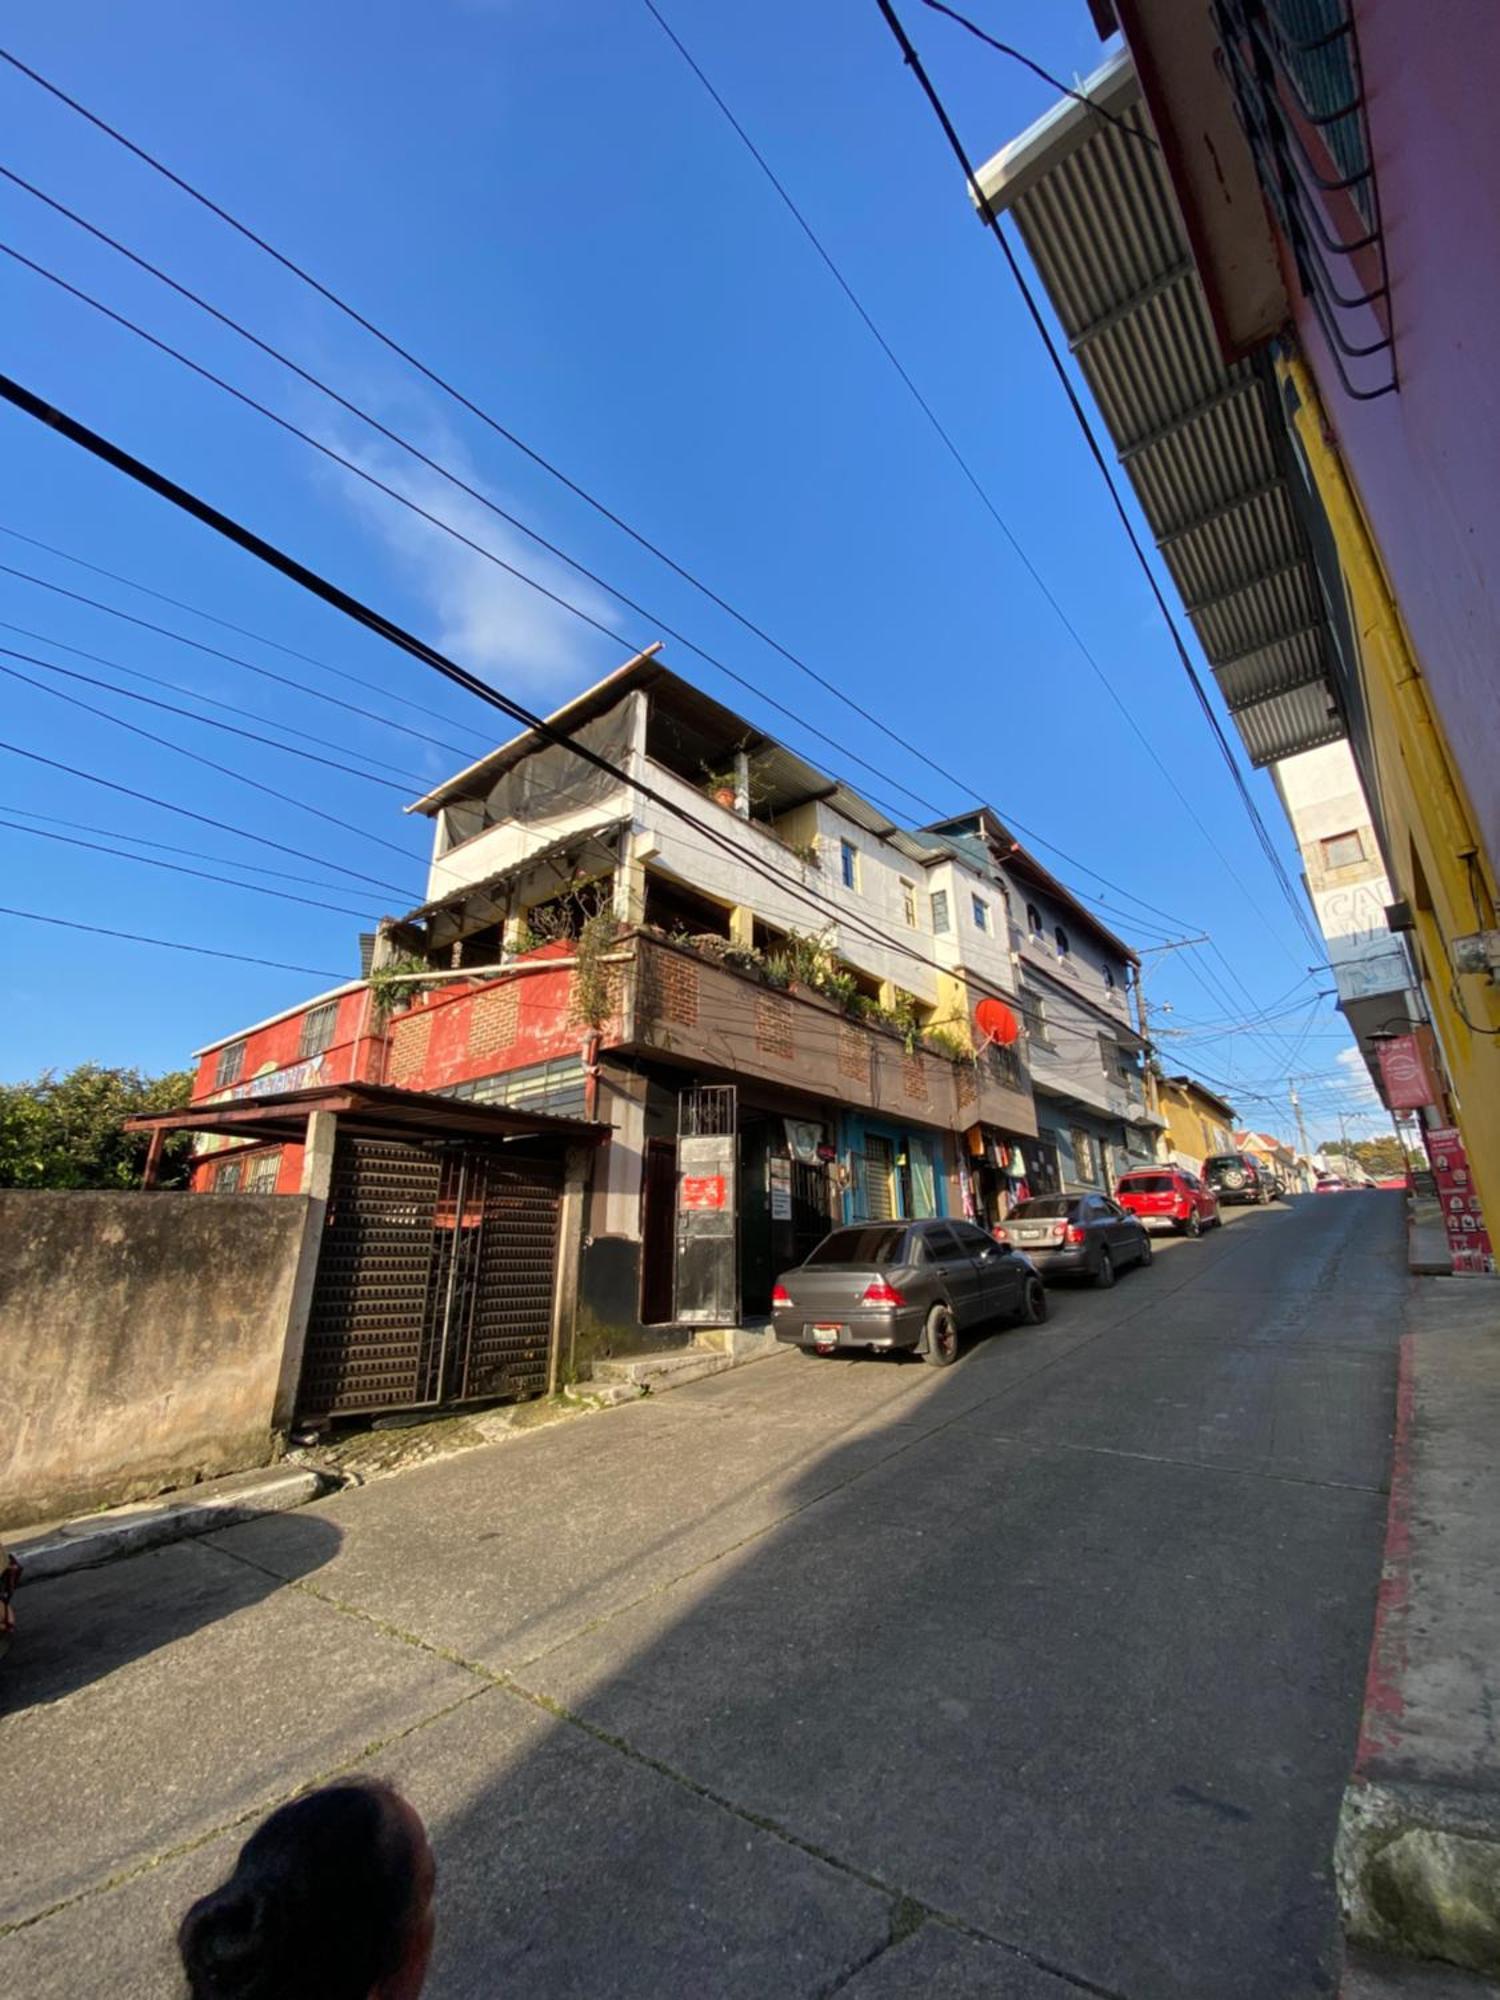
{"x":996,"y":1023}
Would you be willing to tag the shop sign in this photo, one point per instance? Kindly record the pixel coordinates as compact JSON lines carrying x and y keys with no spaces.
{"x":704,"y":1191}
{"x":804,"y":1136}
{"x":1406,"y":1072}
{"x":1463,"y":1221}
{"x":781,"y":1189}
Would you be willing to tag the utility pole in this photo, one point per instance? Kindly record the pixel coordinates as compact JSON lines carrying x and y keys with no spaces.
{"x":1143,"y":1023}
{"x":1297,"y":1114}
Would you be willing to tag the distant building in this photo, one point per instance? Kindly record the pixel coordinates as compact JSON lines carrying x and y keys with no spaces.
{"x":1199,"y":1122}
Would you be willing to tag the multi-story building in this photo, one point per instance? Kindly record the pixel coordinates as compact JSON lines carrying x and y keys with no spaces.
{"x":1094,"y":1118}
{"x":671,"y":925}
{"x":1199,"y":1122}
{"x":1269,"y":233}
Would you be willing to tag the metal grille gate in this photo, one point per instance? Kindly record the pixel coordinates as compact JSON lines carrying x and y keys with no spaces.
{"x":435,"y":1279}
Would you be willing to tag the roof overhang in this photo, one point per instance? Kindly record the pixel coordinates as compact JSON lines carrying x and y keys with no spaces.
{"x":1214,"y":1102}
{"x":1202,"y":438}
{"x":369,"y":1111}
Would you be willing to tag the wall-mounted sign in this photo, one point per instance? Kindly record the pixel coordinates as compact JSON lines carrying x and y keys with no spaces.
{"x":704,"y":1191}
{"x":780,"y":1175}
{"x":1408,"y":1072}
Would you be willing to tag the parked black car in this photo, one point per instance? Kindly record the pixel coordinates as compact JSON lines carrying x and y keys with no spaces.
{"x":1238,"y":1177}
{"x":903,"y":1284}
{"x":1078,"y":1236}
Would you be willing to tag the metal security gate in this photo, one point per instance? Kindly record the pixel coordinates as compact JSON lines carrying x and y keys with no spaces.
{"x":435,"y":1278}
{"x":707,"y":1286}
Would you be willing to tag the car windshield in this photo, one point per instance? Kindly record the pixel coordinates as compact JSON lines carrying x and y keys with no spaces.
{"x":1220,"y":1160}
{"x":1147,"y":1184}
{"x":1043,"y":1205}
{"x":879,"y":1243}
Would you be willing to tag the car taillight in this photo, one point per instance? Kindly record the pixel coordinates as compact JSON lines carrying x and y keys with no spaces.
{"x":1072,"y":1234}
{"x":881,"y":1294}
{"x":780,"y":1296}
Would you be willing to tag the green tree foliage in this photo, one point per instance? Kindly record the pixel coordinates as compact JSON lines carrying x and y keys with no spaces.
{"x":67,"y":1131}
{"x":1378,"y":1157}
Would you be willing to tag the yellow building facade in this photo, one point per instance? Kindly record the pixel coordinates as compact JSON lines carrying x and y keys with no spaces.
{"x":1198,"y":1122}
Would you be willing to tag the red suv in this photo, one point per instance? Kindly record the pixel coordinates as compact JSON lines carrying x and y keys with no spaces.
{"x":1169,"y":1198}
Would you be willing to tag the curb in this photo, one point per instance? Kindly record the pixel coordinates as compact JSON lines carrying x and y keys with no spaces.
{"x":201,"y":1510}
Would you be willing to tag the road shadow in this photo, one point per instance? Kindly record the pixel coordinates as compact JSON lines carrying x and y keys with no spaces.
{"x":74,"y":1630}
{"x":1039,"y":1657}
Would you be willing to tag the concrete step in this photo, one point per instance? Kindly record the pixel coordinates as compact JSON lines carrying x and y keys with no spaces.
{"x":193,"y":1510}
{"x":668,"y":1370}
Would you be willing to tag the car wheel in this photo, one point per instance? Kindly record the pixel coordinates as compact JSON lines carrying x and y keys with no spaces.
{"x":1148,"y":1251}
{"x":1033,"y":1303}
{"x":1193,"y":1226}
{"x":1104,"y":1277}
{"x":941,"y":1344}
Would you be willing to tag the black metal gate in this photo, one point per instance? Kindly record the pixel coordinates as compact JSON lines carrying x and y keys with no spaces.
{"x":435,"y":1279}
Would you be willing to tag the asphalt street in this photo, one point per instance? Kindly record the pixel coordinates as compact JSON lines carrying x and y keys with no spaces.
{"x":1036,"y":1676}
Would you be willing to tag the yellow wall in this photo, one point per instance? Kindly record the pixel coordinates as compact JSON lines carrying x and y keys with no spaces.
{"x":1438,"y":858}
{"x":1186,"y":1116}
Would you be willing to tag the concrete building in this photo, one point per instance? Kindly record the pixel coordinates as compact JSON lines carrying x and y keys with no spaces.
{"x":1198,"y":1121}
{"x":1269,"y":259}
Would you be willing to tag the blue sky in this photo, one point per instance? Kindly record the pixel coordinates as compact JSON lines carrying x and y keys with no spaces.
{"x":543,"y":203}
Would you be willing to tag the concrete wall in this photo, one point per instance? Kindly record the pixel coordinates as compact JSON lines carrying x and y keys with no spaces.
{"x":144,"y":1338}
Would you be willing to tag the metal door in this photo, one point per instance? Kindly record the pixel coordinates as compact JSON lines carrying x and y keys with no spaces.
{"x":658,"y":1230}
{"x":879,"y":1179}
{"x":707,"y":1287}
{"x":435,"y":1279}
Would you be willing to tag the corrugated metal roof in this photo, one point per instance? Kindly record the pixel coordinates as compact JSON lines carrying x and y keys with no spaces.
{"x":1096,"y":210}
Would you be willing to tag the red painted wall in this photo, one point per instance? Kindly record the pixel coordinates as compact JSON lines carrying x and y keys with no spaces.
{"x":1426,"y":461}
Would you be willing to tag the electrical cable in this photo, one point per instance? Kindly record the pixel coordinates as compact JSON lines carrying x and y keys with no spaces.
{"x":166,"y":846}
{"x":1027,"y":62}
{"x":244,"y":632}
{"x":204,"y":819}
{"x":474,"y":409}
{"x":179,"y":868}
{"x":170,"y":944}
{"x":409,"y":780}
{"x":1262,"y":833}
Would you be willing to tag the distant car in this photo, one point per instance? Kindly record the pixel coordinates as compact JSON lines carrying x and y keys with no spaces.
{"x":1330,"y":1184}
{"x":1169,"y":1198}
{"x":1237,"y":1177}
{"x":1078,"y":1236}
{"x":903,"y":1285}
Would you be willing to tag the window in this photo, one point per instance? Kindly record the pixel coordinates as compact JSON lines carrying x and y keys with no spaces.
{"x":849,"y":864}
{"x":230,"y":1066}
{"x":939,"y":911}
{"x":1343,"y":850}
{"x":870,"y":1245}
{"x":1034,"y":1008}
{"x":1060,"y":939}
{"x":228,"y":1175}
{"x":981,"y":911}
{"x":942,"y":1245}
{"x":317,"y":1029}
{"x":1033,"y":920}
{"x":261,"y":1172}
{"x":1109,"y":980}
{"x":1084,"y":1164}
{"x":909,"y":903}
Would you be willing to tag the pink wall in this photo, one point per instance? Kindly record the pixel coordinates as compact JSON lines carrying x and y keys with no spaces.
{"x":1426,"y":461}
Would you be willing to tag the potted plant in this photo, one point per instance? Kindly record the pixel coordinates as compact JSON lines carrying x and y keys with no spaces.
{"x":721,"y":788}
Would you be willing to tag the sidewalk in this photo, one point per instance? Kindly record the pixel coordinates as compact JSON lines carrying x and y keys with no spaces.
{"x":1418,"y":1856}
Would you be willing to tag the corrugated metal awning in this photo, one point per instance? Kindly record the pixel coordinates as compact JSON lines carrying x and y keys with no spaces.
{"x":1196,"y":434}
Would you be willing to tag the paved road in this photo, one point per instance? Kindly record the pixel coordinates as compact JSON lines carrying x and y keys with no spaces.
{"x":1033,"y":1677}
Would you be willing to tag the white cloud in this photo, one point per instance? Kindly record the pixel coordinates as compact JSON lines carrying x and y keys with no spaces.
{"x":487,"y":619}
{"x":1356,"y":1078}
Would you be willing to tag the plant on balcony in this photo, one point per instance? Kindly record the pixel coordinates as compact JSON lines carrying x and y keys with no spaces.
{"x":592,"y":986}
{"x":777,"y":970}
{"x":949,"y":1042}
{"x":394,"y":986}
{"x":721,"y":787}
{"x":805,"y":851}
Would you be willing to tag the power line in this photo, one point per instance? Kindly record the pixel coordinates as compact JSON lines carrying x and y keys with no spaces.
{"x":187,"y":812}
{"x":169,"y":944}
{"x":463,"y":401}
{"x":330,"y":593}
{"x":244,"y":632}
{"x":1027,"y":62}
{"x":166,"y":846}
{"x":208,"y":721}
{"x":179,"y":868}
{"x":1262,"y":833}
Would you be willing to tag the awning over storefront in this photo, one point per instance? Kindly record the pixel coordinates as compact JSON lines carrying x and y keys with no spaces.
{"x":370,"y":1111}
{"x":1201,"y":438}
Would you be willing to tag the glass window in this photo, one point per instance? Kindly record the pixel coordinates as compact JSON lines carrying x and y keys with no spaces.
{"x":261,"y":1172}
{"x":909,"y":903}
{"x":1043,"y":1205}
{"x":317,"y":1029}
{"x":879,"y":1244}
{"x":849,"y":864}
{"x":1146,"y":1184}
{"x":1109,"y":979}
{"x":942,"y":1244}
{"x":1060,"y":939}
{"x":1033,"y":920}
{"x":939,"y":911}
{"x":231,"y":1065}
{"x":981,"y":911}
{"x":228,"y":1175}
{"x":1083,"y":1155}
{"x":1034,"y":1008}
{"x":1343,"y":850}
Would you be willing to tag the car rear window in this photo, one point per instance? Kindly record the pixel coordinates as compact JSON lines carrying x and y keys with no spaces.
{"x":1147,"y":1184}
{"x":1044,"y":1205}
{"x":880,"y":1243}
{"x":1222,"y":1160}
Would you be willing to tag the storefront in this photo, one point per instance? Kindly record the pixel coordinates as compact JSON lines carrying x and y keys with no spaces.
{"x":890,"y":1172}
{"x":997,"y":1169}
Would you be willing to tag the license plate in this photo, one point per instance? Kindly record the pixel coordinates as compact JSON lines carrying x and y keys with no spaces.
{"x":826,"y":1336}
{"x":1029,"y":1235}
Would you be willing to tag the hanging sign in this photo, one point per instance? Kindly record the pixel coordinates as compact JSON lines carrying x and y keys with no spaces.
{"x":1407,"y":1073}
